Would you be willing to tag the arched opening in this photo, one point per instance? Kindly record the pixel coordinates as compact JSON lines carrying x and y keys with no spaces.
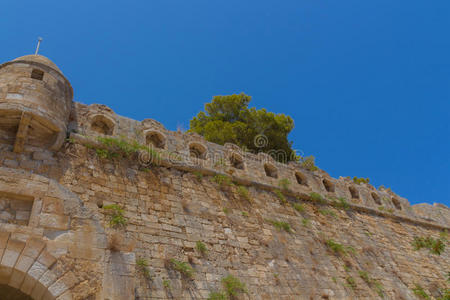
{"x":397,"y":203}
{"x":354,"y":192}
{"x":197,"y":151}
{"x":102,"y":125}
{"x":376,"y":198}
{"x":155,"y":139}
{"x":236,"y":161}
{"x":301,"y":179}
{"x":329,"y":186}
{"x":11,"y":293}
{"x":19,"y":284}
{"x":271,"y":170}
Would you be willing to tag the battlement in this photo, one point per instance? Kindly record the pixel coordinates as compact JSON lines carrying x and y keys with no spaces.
{"x":190,"y":149}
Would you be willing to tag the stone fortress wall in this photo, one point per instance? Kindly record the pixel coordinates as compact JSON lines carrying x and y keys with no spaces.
{"x":56,"y":243}
{"x":255,"y":168}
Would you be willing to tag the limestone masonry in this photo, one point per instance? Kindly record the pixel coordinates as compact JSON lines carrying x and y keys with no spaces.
{"x":188,"y":212}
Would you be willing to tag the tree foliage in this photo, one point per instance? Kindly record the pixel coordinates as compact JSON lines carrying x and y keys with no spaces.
{"x":228,"y":119}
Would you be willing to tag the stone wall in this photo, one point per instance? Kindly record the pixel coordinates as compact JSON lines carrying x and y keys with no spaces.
{"x":171,"y":207}
{"x":124,"y":209}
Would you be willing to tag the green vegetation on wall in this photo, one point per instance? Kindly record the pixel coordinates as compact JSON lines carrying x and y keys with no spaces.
{"x":435,"y":246}
{"x":116,"y":213}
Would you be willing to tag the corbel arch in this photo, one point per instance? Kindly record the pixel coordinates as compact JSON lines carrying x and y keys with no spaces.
{"x":155,"y":138}
{"x":236,"y":161}
{"x":197,"y":150}
{"x":102,"y":124}
{"x":271,"y":170}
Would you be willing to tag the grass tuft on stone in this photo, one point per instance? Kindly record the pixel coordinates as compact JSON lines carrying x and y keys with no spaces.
{"x":142,"y":266}
{"x":233,"y":286}
{"x":316,"y":197}
{"x":244,"y":193}
{"x":284,"y":184}
{"x":435,"y":246}
{"x":420,"y":292}
{"x":184,"y":268}
{"x":222,"y":180}
{"x":351,"y":282}
{"x":298,"y":207}
{"x":217,"y":296}
{"x":280,"y":196}
{"x":281,"y":225}
{"x":116,"y":214}
{"x":335,"y":247}
{"x":201,"y":247}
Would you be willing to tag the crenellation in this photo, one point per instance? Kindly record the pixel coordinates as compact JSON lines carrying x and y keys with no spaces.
{"x":208,"y":152}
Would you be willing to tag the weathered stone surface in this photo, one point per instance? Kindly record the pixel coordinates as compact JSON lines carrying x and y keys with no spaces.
{"x":57,"y":240}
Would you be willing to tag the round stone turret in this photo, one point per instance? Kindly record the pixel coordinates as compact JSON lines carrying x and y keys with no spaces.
{"x":35,"y":103}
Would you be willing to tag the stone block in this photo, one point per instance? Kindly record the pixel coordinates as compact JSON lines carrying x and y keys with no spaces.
{"x":37,"y":270}
{"x":11,"y":163}
{"x":3,"y":239}
{"x":52,"y":205}
{"x":38,"y":291}
{"x":24,"y":263}
{"x":95,"y":254}
{"x":16,"y":279}
{"x":22,"y":234}
{"x":29,"y":164}
{"x":5,"y":274}
{"x":57,"y":288}
{"x":28,"y":285}
{"x":42,"y":155}
{"x":9,"y":258}
{"x":33,"y":247}
{"x":66,"y":296}
{"x":54,"y":221}
{"x":46,"y":259}
{"x":48,"y":278}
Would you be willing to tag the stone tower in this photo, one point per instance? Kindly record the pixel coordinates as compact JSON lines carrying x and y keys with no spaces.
{"x":35,"y":103}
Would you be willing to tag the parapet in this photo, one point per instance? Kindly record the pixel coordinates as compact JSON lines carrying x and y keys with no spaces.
{"x":194,"y":152}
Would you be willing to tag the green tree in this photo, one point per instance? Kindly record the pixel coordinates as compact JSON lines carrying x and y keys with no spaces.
{"x":228,"y":119}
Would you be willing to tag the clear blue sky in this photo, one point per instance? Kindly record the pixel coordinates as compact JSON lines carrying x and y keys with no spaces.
{"x":367,"y":82}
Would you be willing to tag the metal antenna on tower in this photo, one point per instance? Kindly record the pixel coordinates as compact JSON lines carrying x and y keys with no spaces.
{"x":38,"y":44}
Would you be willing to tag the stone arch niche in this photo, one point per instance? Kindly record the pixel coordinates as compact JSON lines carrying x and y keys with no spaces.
{"x":27,"y":270}
{"x":329,"y":185}
{"x":155,"y":138}
{"x":301,"y":178}
{"x":102,"y":124}
{"x":353,"y":192}
{"x":376,"y":198}
{"x":37,"y":257}
{"x":236,"y":161}
{"x":270,"y":170}
{"x":197,"y":150}
{"x":396,"y":203}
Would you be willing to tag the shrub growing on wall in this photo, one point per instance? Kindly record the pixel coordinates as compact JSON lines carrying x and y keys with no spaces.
{"x":228,"y":119}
